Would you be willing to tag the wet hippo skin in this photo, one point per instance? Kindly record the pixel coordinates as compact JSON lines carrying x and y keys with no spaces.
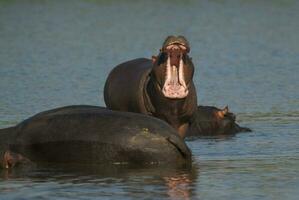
{"x":212,"y":121}
{"x":92,"y":135}
{"x":161,"y":87}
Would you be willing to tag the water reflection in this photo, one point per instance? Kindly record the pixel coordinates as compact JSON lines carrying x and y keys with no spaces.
{"x":179,"y":186}
{"x":176,"y":183}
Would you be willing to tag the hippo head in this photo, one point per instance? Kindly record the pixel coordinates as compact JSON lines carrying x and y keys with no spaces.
{"x":210,"y":120}
{"x":172,"y":68}
{"x":225,"y":120}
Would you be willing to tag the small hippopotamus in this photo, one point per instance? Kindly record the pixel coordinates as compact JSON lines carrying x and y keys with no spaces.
{"x":212,"y":121}
{"x":161,"y":87}
{"x":92,"y":135}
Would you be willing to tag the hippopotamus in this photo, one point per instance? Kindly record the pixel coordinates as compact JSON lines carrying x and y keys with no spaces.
{"x":92,"y":135}
{"x":161,"y":87}
{"x":212,"y":121}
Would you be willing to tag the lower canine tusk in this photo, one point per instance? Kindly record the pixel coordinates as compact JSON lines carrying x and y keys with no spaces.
{"x":168,"y":69}
{"x":181,"y":72}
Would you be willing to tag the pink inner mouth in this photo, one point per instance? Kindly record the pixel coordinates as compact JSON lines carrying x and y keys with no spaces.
{"x":175,"y":85}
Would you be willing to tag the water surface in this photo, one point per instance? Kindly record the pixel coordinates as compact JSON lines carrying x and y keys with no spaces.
{"x":246,"y":53}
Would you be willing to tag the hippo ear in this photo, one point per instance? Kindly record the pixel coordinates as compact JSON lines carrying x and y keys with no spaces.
{"x":225,"y":110}
{"x":154,"y":59}
{"x":219,"y":114}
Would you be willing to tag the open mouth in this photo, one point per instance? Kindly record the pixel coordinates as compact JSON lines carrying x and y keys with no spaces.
{"x":175,"y":86}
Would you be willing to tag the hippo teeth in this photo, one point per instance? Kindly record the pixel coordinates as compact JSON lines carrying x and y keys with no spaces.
{"x":175,"y":86}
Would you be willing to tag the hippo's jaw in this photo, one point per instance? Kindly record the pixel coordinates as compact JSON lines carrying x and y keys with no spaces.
{"x":175,"y":85}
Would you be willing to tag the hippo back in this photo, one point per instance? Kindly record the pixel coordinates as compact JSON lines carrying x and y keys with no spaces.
{"x":125,"y":85}
{"x":95,"y":135}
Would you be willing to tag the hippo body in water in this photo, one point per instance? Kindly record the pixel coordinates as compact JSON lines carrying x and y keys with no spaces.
{"x":161,"y":87}
{"x":92,"y":135}
{"x":212,"y":121}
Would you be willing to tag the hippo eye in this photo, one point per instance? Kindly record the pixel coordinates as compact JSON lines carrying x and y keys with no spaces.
{"x":187,"y":59}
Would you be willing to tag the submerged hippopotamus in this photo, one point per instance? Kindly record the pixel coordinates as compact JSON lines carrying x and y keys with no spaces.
{"x":212,"y":121}
{"x":161,"y":87}
{"x":92,"y":135}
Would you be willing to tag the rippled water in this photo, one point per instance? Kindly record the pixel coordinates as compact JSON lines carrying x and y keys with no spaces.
{"x":246,"y":52}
